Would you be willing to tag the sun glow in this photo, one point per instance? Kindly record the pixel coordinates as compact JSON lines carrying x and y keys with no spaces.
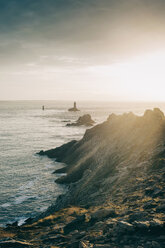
{"x":143,"y":77}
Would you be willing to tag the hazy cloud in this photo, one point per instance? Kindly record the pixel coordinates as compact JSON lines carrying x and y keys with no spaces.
{"x":77,"y":33}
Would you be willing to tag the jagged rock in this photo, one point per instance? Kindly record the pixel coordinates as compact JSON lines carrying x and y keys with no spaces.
{"x":102,"y":246}
{"x":75,"y":224}
{"x":77,"y":235}
{"x":14,"y":244}
{"x":155,"y":244}
{"x":111,"y":222}
{"x":56,"y":238}
{"x":149,"y":205}
{"x":15,"y":224}
{"x":116,"y":175}
{"x":59,"y":151}
{"x":124,"y":227}
{"x":161,"y":238}
{"x":160,"y":208}
{"x":158,"y":192}
{"x":149,"y":191}
{"x":137,"y":216}
{"x":156,"y":114}
{"x":157,"y":227}
{"x":85,"y":120}
{"x":142,"y":225}
{"x":103,"y":213}
{"x":85,"y":244}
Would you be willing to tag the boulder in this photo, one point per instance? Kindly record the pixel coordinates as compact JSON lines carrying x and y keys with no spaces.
{"x":75,"y":224}
{"x":136,"y":216}
{"x":142,"y":225}
{"x":149,"y":205}
{"x":85,"y":120}
{"x":124,"y":227}
{"x":14,"y":243}
{"x":85,"y":244}
{"x":160,"y":208}
{"x":103,"y":213}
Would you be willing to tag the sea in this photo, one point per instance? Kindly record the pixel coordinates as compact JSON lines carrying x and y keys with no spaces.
{"x":27,"y":182}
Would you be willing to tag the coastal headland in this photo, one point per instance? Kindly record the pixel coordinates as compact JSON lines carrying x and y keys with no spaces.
{"x":116,"y":189}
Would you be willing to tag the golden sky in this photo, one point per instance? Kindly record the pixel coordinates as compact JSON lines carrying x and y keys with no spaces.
{"x":106,"y":50}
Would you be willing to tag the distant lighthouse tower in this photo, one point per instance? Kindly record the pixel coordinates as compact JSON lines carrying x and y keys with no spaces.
{"x":74,"y":108}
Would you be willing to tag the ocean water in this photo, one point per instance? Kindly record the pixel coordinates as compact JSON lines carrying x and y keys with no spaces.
{"x":27,"y":185}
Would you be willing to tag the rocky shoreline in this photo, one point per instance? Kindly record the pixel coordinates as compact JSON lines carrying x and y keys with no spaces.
{"x":116,"y":180}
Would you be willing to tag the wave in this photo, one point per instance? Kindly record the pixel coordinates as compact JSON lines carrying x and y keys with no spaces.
{"x":21,"y":220}
{"x":28,"y":185}
{"x":22,"y":198}
{"x":42,"y":209}
{"x":5,"y":205}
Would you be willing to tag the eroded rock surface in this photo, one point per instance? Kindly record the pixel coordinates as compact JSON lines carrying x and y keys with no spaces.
{"x":116,"y":178}
{"x":84,"y":120}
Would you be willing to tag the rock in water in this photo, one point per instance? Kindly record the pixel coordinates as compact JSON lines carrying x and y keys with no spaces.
{"x":85,"y":120}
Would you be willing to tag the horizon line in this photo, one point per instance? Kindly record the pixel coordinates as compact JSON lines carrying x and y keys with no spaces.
{"x":104,"y":101}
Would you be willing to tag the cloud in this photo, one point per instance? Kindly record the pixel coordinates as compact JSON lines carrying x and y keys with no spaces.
{"x":67,"y":35}
{"x":80,"y":28}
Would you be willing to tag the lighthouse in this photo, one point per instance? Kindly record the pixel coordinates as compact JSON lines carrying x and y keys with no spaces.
{"x":74,"y":108}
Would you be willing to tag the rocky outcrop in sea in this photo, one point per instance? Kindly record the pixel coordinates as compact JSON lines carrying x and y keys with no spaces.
{"x":116,"y":180}
{"x":84,"y":120}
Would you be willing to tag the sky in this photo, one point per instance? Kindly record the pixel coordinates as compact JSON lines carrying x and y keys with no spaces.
{"x":104,"y":50}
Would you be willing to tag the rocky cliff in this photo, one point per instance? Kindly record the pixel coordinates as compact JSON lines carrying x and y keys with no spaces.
{"x":112,"y":157}
{"x":116,"y":179}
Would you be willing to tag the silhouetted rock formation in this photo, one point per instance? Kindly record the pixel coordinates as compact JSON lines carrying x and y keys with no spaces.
{"x":116,"y":177}
{"x":118,"y":139}
{"x":74,"y":109}
{"x":111,"y":155}
{"x":85,"y":120}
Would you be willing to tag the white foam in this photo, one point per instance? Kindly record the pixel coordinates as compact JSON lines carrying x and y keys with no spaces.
{"x":27,"y":186}
{"x":22,"y":221}
{"x":43,"y":209}
{"x":5,"y":205}
{"x":21,"y":199}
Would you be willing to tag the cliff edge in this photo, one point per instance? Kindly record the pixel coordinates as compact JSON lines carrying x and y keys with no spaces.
{"x":112,"y":156}
{"x":116,"y":180}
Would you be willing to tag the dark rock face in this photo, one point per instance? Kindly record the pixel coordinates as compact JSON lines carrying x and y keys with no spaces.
{"x":75,"y":224}
{"x":59,"y":151}
{"x":116,"y":177}
{"x":85,"y":120}
{"x":103,"y":213}
{"x":14,"y":244}
{"x":74,"y":227}
{"x":121,"y":145}
{"x":112,"y":155}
